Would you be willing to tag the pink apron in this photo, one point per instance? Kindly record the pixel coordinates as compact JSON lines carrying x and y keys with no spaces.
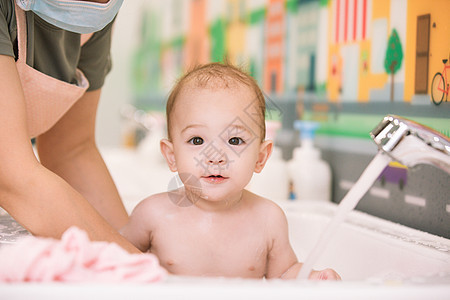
{"x":47,"y":99}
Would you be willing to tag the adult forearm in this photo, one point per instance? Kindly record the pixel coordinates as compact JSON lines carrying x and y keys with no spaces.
{"x":46,"y":205}
{"x":37,"y":198}
{"x":69,"y":150}
{"x":83,"y":168}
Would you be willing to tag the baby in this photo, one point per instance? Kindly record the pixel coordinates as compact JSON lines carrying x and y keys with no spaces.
{"x":213,"y":226}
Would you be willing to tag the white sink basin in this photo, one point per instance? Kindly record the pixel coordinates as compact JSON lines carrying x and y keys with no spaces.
{"x":376,"y":258}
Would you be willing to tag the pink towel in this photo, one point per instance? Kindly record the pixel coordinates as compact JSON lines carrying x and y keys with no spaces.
{"x":75,"y":258}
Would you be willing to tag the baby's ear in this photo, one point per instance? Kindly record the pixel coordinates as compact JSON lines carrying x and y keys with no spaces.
{"x":167,"y":151}
{"x":265,"y":150}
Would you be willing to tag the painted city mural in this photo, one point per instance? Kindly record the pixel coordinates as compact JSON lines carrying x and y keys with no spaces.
{"x":343,"y":63}
{"x":349,"y":61}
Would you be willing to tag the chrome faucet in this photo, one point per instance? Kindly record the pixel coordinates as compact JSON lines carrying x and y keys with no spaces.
{"x":411,"y":143}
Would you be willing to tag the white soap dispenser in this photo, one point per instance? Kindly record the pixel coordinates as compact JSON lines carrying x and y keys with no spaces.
{"x":310,"y":175}
{"x":273,"y":181}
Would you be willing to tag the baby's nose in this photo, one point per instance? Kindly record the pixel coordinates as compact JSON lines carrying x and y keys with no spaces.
{"x":218,"y":161}
{"x":216,"y":158}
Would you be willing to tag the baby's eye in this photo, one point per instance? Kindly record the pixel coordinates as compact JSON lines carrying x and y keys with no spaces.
{"x":235,"y":141}
{"x":196,"y":141}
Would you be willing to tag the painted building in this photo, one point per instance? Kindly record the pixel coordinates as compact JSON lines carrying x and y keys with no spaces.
{"x":274,"y":45}
{"x":145,"y":62}
{"x":217,"y":29}
{"x":359,"y":46}
{"x":173,"y":30}
{"x":428,"y":44}
{"x":197,"y":39}
{"x":291,"y":46}
{"x":322,"y":49}
{"x":388,"y":16}
{"x":236,"y":31}
{"x":348,"y":48}
{"x":338,"y":48}
{"x":254,"y":40}
{"x":301,"y":44}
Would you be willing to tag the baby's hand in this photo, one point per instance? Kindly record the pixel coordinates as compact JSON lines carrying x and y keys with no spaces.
{"x":327,"y":274}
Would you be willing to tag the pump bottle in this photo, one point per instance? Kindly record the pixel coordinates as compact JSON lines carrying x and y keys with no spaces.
{"x":310,"y":175}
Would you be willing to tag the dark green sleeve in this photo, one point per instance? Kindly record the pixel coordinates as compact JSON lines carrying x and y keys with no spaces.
{"x":95,"y":57}
{"x":7,"y":32}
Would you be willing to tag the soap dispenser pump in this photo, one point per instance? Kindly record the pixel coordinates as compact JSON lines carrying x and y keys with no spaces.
{"x":310,"y":175}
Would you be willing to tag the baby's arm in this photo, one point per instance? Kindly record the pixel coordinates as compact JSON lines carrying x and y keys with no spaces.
{"x":326,"y":274}
{"x":282,"y":261}
{"x":138,"y":229}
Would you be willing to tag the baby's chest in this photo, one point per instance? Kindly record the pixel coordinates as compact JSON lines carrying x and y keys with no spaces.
{"x":232,"y":254}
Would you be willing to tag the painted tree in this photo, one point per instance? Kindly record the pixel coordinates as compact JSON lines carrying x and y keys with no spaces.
{"x":394,"y":57}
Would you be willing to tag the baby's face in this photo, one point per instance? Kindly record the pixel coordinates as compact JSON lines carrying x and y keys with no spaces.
{"x":216,"y":137}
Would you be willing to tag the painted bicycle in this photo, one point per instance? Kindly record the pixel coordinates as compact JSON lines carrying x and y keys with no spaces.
{"x":439,"y":85}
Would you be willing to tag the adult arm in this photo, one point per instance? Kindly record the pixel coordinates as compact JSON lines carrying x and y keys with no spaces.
{"x":69,"y":150}
{"x":37,"y":198}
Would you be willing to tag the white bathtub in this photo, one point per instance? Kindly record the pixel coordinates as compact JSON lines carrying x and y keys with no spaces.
{"x":366,"y":248}
{"x":376,"y":259}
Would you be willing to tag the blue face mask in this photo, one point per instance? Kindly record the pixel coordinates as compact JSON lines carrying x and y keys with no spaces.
{"x":75,"y":16}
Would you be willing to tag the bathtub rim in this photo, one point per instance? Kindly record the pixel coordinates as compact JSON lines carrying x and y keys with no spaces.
{"x":223,"y":288}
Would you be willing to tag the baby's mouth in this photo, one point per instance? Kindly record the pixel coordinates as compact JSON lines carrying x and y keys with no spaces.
{"x":214,"y":178}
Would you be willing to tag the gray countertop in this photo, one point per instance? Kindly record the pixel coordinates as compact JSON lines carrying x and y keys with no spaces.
{"x":10,"y":230}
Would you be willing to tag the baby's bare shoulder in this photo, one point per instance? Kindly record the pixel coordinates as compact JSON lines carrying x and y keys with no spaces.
{"x":270,"y":216}
{"x":154,"y":204}
{"x":266,"y":207}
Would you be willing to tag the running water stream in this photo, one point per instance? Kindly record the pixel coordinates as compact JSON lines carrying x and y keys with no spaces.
{"x":348,"y":203}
